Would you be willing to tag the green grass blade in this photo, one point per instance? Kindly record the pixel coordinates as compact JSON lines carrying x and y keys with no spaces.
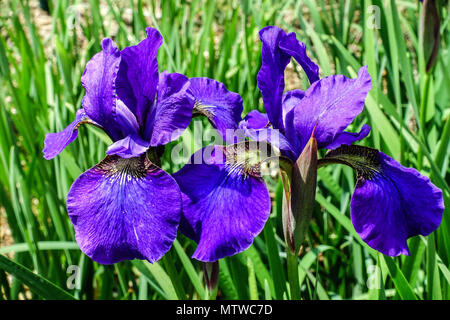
{"x":37,"y":284}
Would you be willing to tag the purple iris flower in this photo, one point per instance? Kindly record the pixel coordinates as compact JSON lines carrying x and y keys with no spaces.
{"x":127,"y":207}
{"x":226,"y":202}
{"x":390,"y":203}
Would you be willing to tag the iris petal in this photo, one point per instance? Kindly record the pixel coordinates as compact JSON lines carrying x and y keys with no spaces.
{"x":224,"y":207}
{"x":129,"y":147}
{"x":173,"y":111}
{"x":137,"y":80}
{"x":391,"y":203}
{"x":125,"y":119}
{"x":254,"y":120}
{"x":297,"y":50}
{"x":329,"y":106}
{"x":54,"y":143}
{"x":223,"y":108}
{"x":394,"y":204}
{"x":276,"y":139}
{"x":348,"y":138}
{"x":99,"y":82}
{"x":271,"y":75}
{"x":290,"y":100}
{"x":123,"y":209}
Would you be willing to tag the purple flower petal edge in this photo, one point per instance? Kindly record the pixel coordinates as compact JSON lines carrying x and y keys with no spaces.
{"x":329,"y":106}
{"x":222,"y":107}
{"x":297,"y":50}
{"x":137,"y":79}
{"x":348,"y":138}
{"x":54,"y":143}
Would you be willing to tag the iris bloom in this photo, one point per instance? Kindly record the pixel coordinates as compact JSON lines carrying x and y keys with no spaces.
{"x":226,"y":203}
{"x":390,"y":203}
{"x":127,"y":207}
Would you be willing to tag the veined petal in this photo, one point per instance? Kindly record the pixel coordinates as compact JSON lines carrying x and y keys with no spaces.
{"x":391,"y":203}
{"x":129,"y":147}
{"x":330,"y":105}
{"x":296,"y":49}
{"x":290,"y":100}
{"x":126,"y":119}
{"x":54,"y":143}
{"x":137,"y":80}
{"x":271,"y":75}
{"x":173,"y":111}
{"x":225,"y":205}
{"x":123,"y":209}
{"x":348,"y":138}
{"x":223,"y":108}
{"x":99,"y":82}
{"x":254,"y":120}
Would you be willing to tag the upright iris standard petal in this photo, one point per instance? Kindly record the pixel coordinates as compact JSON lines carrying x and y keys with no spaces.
{"x":125,"y":119}
{"x":137,"y":79}
{"x":277,"y":50}
{"x":225,"y":204}
{"x":271,"y":75}
{"x":391,"y":203}
{"x":119,"y":214}
{"x":330,"y":105}
{"x":297,"y":50}
{"x":173,"y":111}
{"x":56,"y":142}
{"x":99,"y":82}
{"x":223,"y":108}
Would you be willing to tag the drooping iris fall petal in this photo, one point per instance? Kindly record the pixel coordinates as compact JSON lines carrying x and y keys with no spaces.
{"x":254,"y":120}
{"x":391,"y":203}
{"x":119,"y":213}
{"x":225,"y":204}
